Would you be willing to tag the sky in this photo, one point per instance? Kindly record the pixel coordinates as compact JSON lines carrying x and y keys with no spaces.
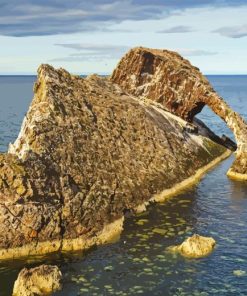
{"x":91,"y":36}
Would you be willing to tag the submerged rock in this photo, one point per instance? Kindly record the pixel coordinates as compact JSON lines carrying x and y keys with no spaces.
{"x":41,"y":280}
{"x":88,"y":152}
{"x":165,"y":77}
{"x":195,"y":246}
{"x":239,"y":272}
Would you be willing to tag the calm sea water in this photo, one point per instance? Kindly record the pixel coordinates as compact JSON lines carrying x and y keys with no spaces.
{"x":138,"y":264}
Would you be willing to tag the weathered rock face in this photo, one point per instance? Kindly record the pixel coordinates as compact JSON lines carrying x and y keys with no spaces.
{"x":165,"y":77}
{"x":196,"y":246}
{"x":86,"y":153}
{"x":41,"y":280}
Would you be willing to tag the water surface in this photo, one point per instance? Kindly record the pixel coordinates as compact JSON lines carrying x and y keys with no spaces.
{"x":139,"y":264}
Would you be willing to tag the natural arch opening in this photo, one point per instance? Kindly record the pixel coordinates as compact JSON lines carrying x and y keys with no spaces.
{"x":215,"y":123}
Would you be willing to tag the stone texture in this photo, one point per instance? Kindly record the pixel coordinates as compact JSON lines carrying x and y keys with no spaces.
{"x":166,"y":77}
{"x":86,"y":153}
{"x":41,"y":280}
{"x":196,"y":246}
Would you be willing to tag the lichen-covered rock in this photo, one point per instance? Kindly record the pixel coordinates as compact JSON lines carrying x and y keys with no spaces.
{"x":41,"y":280}
{"x":166,"y":77}
{"x":195,"y":246}
{"x":238,"y":169}
{"x":86,"y":153}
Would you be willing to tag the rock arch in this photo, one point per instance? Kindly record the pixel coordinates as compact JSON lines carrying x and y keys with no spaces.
{"x":169,"y":79}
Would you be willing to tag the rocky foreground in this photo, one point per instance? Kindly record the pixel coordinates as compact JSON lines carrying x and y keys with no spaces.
{"x":41,"y":280}
{"x":88,"y":152}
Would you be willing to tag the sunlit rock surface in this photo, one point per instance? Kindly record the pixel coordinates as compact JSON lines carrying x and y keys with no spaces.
{"x":87,"y":152}
{"x":41,"y":280}
{"x":195,"y":246}
{"x":166,"y":77}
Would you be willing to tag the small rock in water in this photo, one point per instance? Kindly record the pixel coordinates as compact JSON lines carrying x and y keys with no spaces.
{"x":41,"y":280}
{"x":160,"y":231}
{"x":239,"y":272}
{"x":195,"y":246}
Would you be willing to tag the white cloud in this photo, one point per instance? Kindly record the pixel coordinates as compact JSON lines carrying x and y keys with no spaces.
{"x":177,"y":29}
{"x":195,"y":52}
{"x":92,"y":52}
{"x":233,"y":32}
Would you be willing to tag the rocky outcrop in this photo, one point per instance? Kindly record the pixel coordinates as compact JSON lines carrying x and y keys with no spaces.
{"x":41,"y":280}
{"x":195,"y":246}
{"x":88,"y":152}
{"x":165,"y":77}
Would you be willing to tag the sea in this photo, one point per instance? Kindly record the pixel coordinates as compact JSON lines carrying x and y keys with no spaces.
{"x":139,"y":263}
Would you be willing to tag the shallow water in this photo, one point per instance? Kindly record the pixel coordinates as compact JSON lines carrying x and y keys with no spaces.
{"x":139,"y":263}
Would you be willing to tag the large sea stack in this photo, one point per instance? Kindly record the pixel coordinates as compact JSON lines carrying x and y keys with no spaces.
{"x":88,"y":151}
{"x":166,"y":77}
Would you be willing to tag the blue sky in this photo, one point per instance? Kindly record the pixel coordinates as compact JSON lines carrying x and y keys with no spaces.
{"x":90,"y":36}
